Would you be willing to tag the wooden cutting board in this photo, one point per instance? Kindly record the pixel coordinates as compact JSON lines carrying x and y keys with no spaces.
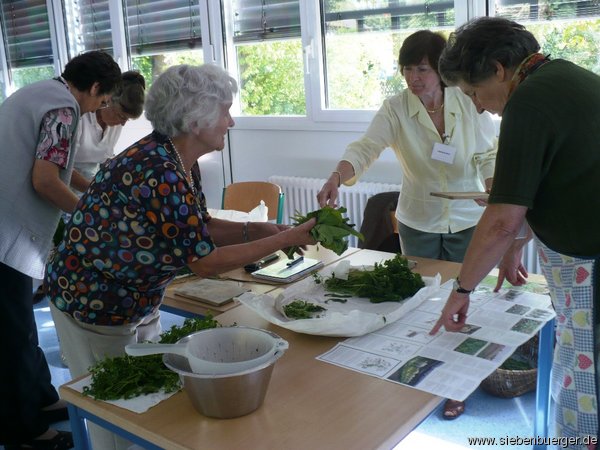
{"x":461,"y":195}
{"x":212,"y":292}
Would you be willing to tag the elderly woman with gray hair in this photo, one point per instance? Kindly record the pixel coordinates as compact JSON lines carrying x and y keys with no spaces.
{"x":143,"y":218}
{"x":546,"y":181}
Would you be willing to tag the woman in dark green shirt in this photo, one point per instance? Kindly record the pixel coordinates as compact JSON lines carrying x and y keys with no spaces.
{"x":546,"y":184}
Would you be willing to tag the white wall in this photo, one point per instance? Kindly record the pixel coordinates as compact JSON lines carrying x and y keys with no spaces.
{"x":258,"y":154}
{"x":254,"y":154}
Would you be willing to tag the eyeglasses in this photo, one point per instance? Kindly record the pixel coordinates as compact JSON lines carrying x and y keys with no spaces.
{"x":104,"y":104}
{"x":122,"y":117}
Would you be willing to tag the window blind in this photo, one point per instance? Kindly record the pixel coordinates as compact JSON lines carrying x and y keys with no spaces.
{"x":89,"y":25}
{"x":259,"y":20}
{"x":382,"y":15}
{"x":155,"y":26}
{"x":547,"y":10}
{"x":26,"y":33}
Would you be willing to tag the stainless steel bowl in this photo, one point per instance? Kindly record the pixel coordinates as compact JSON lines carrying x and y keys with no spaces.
{"x":224,"y":396}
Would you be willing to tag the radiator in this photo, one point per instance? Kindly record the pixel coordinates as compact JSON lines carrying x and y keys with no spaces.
{"x":301,"y":196}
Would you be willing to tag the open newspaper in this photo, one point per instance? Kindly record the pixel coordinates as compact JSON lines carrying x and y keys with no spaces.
{"x":450,"y":365}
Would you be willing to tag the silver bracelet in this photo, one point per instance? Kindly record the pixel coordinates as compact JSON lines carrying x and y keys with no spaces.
{"x":245,"y":232}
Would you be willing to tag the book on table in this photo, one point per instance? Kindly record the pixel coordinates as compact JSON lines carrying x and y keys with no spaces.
{"x":212,"y":292}
{"x":283,"y":272}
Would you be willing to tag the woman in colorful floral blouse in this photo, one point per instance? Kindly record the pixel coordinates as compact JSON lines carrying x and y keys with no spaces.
{"x":144,"y":217}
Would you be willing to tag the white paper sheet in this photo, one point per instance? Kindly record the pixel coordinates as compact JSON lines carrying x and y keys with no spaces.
{"x":451,"y":365}
{"x":138,"y":405}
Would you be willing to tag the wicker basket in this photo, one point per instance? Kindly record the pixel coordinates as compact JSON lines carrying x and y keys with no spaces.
{"x":512,"y":383}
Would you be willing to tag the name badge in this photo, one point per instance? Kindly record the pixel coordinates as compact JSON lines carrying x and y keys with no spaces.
{"x":444,"y":153}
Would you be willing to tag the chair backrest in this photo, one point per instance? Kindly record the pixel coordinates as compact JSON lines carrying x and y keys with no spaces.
{"x":379,"y":225}
{"x":246,"y":195}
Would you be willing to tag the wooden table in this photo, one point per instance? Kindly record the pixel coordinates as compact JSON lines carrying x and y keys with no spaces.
{"x":309,"y":404}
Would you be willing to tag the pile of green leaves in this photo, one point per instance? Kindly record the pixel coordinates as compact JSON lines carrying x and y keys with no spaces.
{"x":301,"y":309}
{"x":516,"y":364}
{"x":389,"y":281}
{"x":130,"y":376}
{"x":331,"y":229}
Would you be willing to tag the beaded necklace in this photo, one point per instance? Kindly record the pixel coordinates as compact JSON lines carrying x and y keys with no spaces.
{"x":180,"y":161}
{"x":434,"y":110}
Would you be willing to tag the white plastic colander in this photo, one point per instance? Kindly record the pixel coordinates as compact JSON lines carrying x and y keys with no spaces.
{"x":220,"y":351}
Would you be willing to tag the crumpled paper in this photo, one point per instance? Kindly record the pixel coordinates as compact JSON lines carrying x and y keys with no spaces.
{"x":259,"y":214}
{"x":138,"y":405}
{"x":356,"y":317}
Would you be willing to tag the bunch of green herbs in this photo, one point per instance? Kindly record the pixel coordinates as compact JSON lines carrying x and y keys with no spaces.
{"x":301,"y":309}
{"x":131,"y":376}
{"x":389,"y":281}
{"x":331,"y":229}
{"x":516,"y":364}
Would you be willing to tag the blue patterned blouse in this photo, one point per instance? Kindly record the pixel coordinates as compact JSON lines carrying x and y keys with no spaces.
{"x":137,"y":224}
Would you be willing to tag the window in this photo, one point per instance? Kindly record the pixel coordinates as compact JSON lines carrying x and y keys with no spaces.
{"x":162,"y":33}
{"x":2,"y":87}
{"x":361,"y":43}
{"x":268,"y":56}
{"x":88,"y":26}
{"x":568,"y":29}
{"x":27,"y":42}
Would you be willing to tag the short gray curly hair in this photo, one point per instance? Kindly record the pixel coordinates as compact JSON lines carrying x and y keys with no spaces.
{"x":185,"y":97}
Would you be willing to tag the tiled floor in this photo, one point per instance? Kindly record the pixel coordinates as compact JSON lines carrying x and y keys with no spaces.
{"x":485,"y":415}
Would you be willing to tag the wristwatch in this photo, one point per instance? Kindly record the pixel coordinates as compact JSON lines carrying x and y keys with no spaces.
{"x":457,"y":287}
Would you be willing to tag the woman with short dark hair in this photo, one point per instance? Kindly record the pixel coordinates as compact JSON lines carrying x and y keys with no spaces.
{"x":442,"y":143}
{"x":37,"y":128}
{"x":546,"y":182}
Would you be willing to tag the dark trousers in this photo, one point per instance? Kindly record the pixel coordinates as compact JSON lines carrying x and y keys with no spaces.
{"x":444,"y":246}
{"x":25,"y":383}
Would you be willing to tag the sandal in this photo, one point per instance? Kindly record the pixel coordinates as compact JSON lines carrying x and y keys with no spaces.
{"x":62,"y":441}
{"x":453,"y":409}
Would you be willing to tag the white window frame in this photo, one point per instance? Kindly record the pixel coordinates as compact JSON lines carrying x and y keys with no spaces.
{"x":121,"y":53}
{"x":464,"y":10}
{"x":7,"y":80}
{"x":57,"y":36}
{"x":212,"y":32}
{"x":54,"y":9}
{"x":220,"y":51}
{"x":317,"y":116}
{"x":117,"y":25}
